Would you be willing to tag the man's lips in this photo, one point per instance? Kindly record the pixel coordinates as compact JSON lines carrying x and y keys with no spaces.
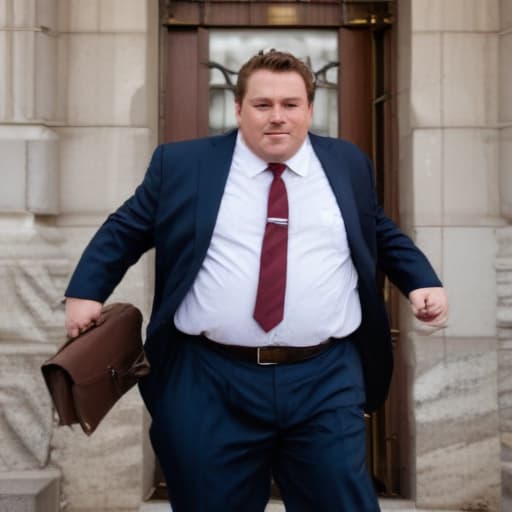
{"x":276,"y":133}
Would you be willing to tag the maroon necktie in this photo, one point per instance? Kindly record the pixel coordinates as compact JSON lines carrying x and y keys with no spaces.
{"x":269,"y":309}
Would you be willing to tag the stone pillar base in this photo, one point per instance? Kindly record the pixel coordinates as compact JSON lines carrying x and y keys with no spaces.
{"x":30,"y":491}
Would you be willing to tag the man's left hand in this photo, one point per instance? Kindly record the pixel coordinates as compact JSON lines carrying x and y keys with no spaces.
{"x":430,"y":305}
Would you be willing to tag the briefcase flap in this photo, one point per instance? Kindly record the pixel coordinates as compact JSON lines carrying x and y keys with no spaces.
{"x":59,"y":384}
{"x":92,"y":371}
{"x":114,"y":342}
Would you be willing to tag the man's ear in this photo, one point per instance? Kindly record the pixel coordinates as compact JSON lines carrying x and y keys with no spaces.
{"x":238,"y":111}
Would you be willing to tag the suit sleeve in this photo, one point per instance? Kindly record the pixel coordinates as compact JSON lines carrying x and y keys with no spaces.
{"x":397,"y":255}
{"x":400,"y":259}
{"x":120,"y":241}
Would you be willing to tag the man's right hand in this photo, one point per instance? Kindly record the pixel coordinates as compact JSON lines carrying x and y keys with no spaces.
{"x":80,"y":315}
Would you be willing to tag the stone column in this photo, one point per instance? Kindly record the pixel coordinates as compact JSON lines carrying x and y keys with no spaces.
{"x":32,"y":267}
{"x":108,"y":50}
{"x":504,"y":256}
{"x":449,"y":177}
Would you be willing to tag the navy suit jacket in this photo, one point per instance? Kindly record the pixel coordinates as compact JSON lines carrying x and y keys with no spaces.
{"x":174,"y":210}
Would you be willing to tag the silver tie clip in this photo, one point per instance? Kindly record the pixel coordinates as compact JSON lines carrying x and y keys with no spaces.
{"x":278,"y":220}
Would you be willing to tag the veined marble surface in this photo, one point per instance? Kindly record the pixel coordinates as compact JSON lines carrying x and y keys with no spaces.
{"x":504,"y":321}
{"x":457,"y":439}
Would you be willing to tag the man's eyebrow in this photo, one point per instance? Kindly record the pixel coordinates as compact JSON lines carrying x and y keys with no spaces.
{"x":262,"y":98}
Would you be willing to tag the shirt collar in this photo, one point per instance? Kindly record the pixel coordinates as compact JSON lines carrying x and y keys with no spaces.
{"x":252,"y":165}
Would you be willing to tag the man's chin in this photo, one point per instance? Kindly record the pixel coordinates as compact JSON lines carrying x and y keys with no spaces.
{"x":277,"y":153}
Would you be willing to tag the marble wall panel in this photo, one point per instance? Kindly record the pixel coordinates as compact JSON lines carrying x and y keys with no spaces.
{"x":104,"y":15}
{"x":103,"y":472}
{"x":23,"y":13}
{"x":42,"y":172}
{"x":505,"y":14}
{"x":505,"y":77}
{"x":426,"y":15}
{"x":456,"y":411}
{"x":100,"y":167}
{"x":12,"y":194}
{"x":45,"y":87}
{"x":29,"y":13}
{"x":404,"y":38}
{"x":3,"y":13}
{"x":470,"y":83}
{"x":470,"y":280}
{"x":430,"y":241}
{"x":471,"y":177}
{"x":5,"y":90}
{"x":22,"y":76}
{"x":25,"y":409}
{"x":106,"y":79}
{"x":30,"y":169}
{"x":123,"y":15}
{"x":61,"y":79}
{"x":32,"y":271}
{"x":79,"y":15}
{"x":427,"y":177}
{"x":406,"y":198}
{"x":456,"y":15}
{"x":31,"y":76}
{"x":426,"y":80}
{"x":46,"y":13}
{"x":28,"y":88}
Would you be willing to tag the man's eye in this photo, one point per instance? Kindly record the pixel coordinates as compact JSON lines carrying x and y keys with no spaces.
{"x":262,"y":105}
{"x":291,"y":105}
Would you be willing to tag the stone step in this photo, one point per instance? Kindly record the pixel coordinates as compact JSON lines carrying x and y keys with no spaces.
{"x":29,"y":491}
{"x":387,"y":505}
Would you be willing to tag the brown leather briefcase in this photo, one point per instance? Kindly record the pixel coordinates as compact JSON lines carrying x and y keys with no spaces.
{"x":91,"y":372}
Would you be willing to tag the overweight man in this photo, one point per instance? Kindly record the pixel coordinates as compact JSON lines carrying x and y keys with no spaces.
{"x":268,"y":338}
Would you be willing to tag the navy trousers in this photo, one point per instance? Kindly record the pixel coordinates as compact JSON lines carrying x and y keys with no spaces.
{"x":222,"y":428}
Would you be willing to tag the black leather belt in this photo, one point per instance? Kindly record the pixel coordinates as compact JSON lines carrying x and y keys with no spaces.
{"x":270,"y":354}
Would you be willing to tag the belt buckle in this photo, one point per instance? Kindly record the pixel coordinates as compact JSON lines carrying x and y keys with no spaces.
{"x":258,"y":360}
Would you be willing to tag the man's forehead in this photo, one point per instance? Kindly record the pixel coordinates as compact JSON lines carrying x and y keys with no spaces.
{"x":274,"y":81}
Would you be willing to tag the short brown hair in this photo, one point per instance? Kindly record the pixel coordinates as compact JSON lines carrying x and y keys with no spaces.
{"x":276,"y":61}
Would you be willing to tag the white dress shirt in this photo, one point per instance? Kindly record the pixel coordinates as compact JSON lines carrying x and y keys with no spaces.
{"x":321,"y":298}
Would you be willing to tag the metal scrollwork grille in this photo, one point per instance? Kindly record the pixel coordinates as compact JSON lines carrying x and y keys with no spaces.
{"x":230,"y":48}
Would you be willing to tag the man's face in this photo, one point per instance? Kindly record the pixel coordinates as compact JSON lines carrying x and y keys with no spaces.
{"x":274,"y":116}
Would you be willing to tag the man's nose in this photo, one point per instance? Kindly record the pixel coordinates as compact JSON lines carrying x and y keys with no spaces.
{"x":277,"y":114}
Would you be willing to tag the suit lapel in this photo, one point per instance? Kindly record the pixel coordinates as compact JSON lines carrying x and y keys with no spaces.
{"x":213,"y":172}
{"x":339,"y":178}
{"x":214,"y":169}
